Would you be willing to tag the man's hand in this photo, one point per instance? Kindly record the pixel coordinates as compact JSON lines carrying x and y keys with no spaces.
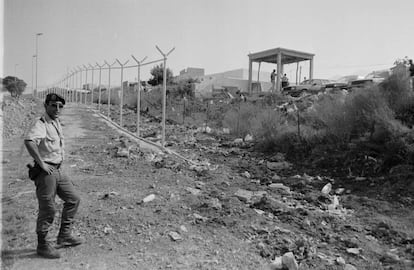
{"x":46,"y":167}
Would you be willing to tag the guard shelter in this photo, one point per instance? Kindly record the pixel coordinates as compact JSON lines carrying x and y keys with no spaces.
{"x":280,"y":57}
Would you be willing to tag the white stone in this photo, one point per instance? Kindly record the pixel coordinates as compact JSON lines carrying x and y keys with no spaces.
{"x":238,"y":141}
{"x":327,"y":188}
{"x":339,"y":191}
{"x":340,"y":261}
{"x":248,"y":138}
{"x":226,"y":130}
{"x":149,"y":198}
{"x":246,"y":174}
{"x":276,"y":263}
{"x":354,"y":251}
{"x":289,"y":261}
{"x":279,"y":186}
{"x":244,"y":195}
{"x":175,"y":236}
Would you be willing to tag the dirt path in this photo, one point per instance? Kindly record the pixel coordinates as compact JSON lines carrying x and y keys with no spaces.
{"x":119,"y":231}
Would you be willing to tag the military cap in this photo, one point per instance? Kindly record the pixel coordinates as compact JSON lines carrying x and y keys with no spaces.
{"x":54,"y":97}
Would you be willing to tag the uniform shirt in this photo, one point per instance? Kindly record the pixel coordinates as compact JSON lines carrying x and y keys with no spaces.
{"x":47,"y":135}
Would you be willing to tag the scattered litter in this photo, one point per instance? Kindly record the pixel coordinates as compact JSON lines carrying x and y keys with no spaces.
{"x":109,"y":195}
{"x":214,"y":203}
{"x":199,"y":184}
{"x":238,"y":141}
{"x":340,"y":261}
{"x":199,"y":217}
{"x":339,"y":191}
{"x":149,"y":198}
{"x":244,"y":195}
{"x":175,"y":236}
{"x":354,"y":251}
{"x":327,"y":188}
{"x":248,"y":138}
{"x":280,"y":186}
{"x":226,"y":130}
{"x":276,"y":166}
{"x":246,"y":174}
{"x":108,"y":229}
{"x":183,"y":228}
{"x":335,"y":203}
{"x":193,"y":191}
{"x":122,"y":152}
{"x":260,"y":212}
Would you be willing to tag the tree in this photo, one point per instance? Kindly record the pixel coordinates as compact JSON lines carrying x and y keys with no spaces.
{"x":157,"y":73}
{"x":185,"y":87}
{"x":14,"y":85}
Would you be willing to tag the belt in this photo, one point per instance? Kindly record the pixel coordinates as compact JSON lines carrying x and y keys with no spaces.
{"x":57,"y":166}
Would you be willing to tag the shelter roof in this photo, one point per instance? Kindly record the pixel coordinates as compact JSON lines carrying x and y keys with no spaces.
{"x":288,"y":56}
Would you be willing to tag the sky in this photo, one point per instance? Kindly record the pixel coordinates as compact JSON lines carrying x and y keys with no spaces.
{"x":347,"y":37}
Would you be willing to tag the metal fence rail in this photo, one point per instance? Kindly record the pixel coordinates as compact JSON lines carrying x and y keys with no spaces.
{"x":71,"y":87}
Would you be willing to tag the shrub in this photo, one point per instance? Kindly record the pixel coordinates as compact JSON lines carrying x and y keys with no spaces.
{"x":396,"y":89}
{"x":405,"y":112}
{"x":239,"y":118}
{"x":360,"y":114}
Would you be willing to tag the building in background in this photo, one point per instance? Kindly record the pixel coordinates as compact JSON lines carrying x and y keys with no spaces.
{"x":190,"y":72}
{"x":231,"y":81}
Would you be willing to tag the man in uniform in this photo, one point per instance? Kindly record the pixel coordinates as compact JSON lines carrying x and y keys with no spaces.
{"x":272,"y":79}
{"x":285,"y":81}
{"x":45,"y":143}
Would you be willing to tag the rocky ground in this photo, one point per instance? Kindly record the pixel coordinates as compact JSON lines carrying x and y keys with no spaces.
{"x":230,"y":208}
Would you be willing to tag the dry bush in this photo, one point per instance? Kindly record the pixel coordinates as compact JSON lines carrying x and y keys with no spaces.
{"x":396,"y":89}
{"x":240,"y":118}
{"x":329,"y":116}
{"x":362,"y":113}
{"x":405,"y":112}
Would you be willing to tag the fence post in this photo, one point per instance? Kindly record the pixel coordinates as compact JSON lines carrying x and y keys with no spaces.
{"x":80,"y":85}
{"x":86,"y":82}
{"x":109,"y":89}
{"x":122,"y":90}
{"x":92,"y":68}
{"x":73,"y":85}
{"x":164,"y":92}
{"x":138,"y":91}
{"x":99,"y":87}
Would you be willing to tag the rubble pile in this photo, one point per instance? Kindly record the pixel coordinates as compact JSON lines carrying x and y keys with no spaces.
{"x":18,"y":115}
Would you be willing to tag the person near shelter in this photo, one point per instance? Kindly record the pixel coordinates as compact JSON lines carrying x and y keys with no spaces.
{"x":411,"y":72}
{"x":285,"y":81}
{"x":45,"y":143}
{"x":273,"y":79}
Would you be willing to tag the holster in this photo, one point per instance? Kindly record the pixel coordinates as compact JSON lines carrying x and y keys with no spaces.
{"x":34,"y":171}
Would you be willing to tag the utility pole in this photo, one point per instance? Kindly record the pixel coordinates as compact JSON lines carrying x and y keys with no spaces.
{"x":37,"y":58}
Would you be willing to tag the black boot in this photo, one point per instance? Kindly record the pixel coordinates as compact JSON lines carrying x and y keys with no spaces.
{"x":68,"y":241}
{"x":44,"y":249}
{"x":65,"y":239}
